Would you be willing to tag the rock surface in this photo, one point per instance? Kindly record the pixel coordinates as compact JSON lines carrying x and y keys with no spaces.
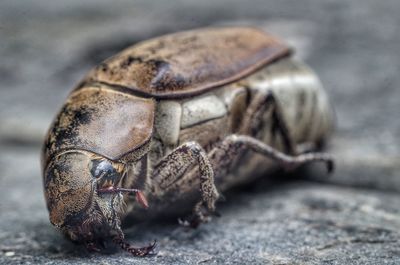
{"x":353,"y":217}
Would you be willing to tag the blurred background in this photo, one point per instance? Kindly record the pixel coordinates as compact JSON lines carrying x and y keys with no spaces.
{"x":351,"y":217}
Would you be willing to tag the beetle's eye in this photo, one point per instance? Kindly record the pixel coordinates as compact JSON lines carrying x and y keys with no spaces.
{"x":101,"y":168}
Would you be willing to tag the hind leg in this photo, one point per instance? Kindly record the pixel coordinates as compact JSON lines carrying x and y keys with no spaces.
{"x":224,"y":153}
{"x":178,"y":171}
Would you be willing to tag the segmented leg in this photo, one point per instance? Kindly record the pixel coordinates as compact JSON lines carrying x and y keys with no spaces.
{"x":253,"y":118}
{"x":223,"y":154}
{"x":230,"y":146}
{"x":92,"y":246}
{"x":138,"y":252}
{"x":119,"y":240}
{"x":175,"y":166}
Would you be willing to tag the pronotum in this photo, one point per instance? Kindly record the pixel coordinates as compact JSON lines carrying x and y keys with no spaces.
{"x":165,"y":125}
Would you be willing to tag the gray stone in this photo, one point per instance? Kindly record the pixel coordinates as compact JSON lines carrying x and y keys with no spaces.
{"x":352,"y":217}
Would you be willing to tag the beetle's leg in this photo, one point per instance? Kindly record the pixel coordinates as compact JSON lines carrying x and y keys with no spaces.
{"x":119,"y":240}
{"x":91,"y":246}
{"x":233,"y":143}
{"x":253,"y":117}
{"x":138,"y":252}
{"x":176,"y":166}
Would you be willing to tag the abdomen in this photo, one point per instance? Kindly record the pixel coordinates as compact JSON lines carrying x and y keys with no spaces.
{"x":305,"y":109}
{"x":301,"y":98}
{"x":210,"y":117}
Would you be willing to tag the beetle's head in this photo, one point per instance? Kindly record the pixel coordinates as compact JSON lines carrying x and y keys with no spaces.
{"x":84,"y":197}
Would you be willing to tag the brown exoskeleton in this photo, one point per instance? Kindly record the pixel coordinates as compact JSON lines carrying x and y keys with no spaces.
{"x":174,"y":120}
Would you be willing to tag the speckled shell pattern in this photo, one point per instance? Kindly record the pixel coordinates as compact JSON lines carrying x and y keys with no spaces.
{"x":190,"y":62}
{"x":210,"y":117}
{"x":190,"y":86}
{"x":103,"y":121}
{"x":112,"y":111}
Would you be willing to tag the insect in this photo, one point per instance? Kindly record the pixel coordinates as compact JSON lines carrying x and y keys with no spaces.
{"x":166,"y":125}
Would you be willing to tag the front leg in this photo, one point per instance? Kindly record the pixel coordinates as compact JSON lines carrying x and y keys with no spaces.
{"x":177,"y":164}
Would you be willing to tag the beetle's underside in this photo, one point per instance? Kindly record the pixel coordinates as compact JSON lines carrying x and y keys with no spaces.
{"x":177,"y":120}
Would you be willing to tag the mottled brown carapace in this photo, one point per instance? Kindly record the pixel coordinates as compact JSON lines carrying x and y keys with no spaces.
{"x":101,"y":120}
{"x":173,"y":121}
{"x":190,"y":62}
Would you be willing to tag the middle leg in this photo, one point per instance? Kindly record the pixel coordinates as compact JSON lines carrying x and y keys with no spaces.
{"x":181,"y":164}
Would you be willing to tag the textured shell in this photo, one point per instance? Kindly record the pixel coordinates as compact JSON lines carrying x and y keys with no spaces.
{"x":189,"y":62}
{"x":103,"y":121}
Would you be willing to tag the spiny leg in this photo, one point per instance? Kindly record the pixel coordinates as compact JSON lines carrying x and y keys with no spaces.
{"x":232,"y":143}
{"x":222,"y":155}
{"x":253,"y":118}
{"x":119,"y":239}
{"x":138,"y":252}
{"x":175,"y":166}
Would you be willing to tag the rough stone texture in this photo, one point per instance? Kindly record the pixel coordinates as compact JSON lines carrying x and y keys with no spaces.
{"x":351,"y":217}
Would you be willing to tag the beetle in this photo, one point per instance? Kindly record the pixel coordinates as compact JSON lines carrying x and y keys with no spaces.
{"x":166,"y":125}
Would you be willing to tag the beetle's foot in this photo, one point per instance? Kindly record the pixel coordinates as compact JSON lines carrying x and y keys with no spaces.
{"x":137,"y":252}
{"x":221,"y":198}
{"x":293,"y":162}
{"x":330,"y":165}
{"x":200,"y":215}
{"x":194,"y":221}
{"x":91,"y":246}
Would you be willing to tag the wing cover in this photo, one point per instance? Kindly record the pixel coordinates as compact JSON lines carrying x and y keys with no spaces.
{"x":103,"y":121}
{"x":189,"y":62}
